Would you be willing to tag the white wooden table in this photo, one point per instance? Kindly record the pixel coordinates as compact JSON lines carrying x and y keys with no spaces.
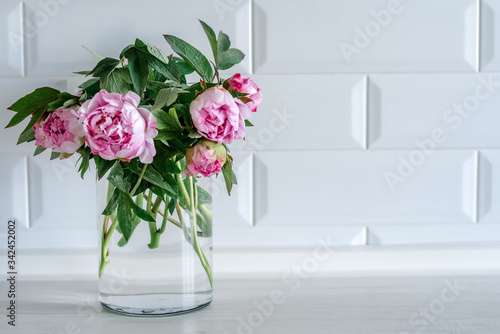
{"x":257,"y":306}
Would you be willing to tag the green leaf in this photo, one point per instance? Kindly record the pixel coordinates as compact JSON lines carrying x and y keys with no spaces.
{"x":229,"y":176}
{"x":93,"y":53}
{"x":248,"y":123}
{"x":84,"y":166}
{"x":162,"y":119}
{"x":172,"y":112}
{"x":157,"y":60}
{"x":230,"y":58}
{"x":116,"y":177}
{"x":157,"y":191}
{"x":32,"y":103}
{"x":38,"y":150}
{"x":26,"y":136}
{"x":103,"y":166}
{"x":28,"y":132}
{"x":167,"y":121}
{"x":54,"y":155}
{"x":183,"y":67}
{"x":204,"y":196}
{"x":112,"y":203}
{"x":141,"y":213}
{"x":171,"y":205}
{"x":128,"y":47}
{"x":139,"y":70}
{"x":82,"y":72}
{"x":172,"y":167}
{"x":153,"y":176}
{"x":133,"y":165}
{"x":124,"y":215}
{"x":104,"y":68}
{"x":62,"y":99}
{"x":167,"y":70}
{"x":89,"y":83}
{"x":135,"y":222}
{"x":166,"y":135}
{"x":192,"y":56}
{"x":166,"y":97}
{"x":118,"y":81}
{"x":223,"y":43}
{"x":211,"y":38}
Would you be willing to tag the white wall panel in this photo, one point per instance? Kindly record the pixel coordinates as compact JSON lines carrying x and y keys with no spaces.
{"x":490,"y":35}
{"x":14,"y":201}
{"x":285,"y":236}
{"x":58,"y":32}
{"x":11,"y":39}
{"x":292,"y":116}
{"x":434,"y":111}
{"x":489,"y":187}
{"x":321,"y":188}
{"x":357,"y":36}
{"x":237,"y":209}
{"x":59,"y":198}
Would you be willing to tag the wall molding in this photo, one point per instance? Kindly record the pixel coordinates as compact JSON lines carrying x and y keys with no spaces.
{"x":284,"y":263}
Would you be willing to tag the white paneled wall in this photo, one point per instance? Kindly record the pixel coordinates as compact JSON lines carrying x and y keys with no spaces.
{"x":380,"y":123}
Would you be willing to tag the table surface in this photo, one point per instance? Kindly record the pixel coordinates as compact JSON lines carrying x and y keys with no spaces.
{"x":260,"y":306}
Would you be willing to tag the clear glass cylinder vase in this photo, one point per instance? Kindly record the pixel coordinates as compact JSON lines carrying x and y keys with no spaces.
{"x":165,"y":266}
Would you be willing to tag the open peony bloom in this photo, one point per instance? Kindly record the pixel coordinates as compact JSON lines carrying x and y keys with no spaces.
{"x":216,"y":116}
{"x":244,"y":85}
{"x":117,"y":129}
{"x":61,"y":131}
{"x":205,"y":158}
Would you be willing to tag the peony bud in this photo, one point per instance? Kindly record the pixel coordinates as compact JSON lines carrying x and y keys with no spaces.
{"x":206,"y":158}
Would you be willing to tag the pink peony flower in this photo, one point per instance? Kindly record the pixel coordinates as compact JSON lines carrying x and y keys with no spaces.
{"x":237,"y":84}
{"x":205,"y":158}
{"x":61,"y":131}
{"x":117,"y":129}
{"x":216,"y":116}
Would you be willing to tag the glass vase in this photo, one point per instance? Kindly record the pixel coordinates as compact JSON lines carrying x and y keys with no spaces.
{"x":165,"y":267}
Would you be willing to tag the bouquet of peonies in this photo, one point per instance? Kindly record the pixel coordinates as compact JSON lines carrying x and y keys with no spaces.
{"x":149,"y":131}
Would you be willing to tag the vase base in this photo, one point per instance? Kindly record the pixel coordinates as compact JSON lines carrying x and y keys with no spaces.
{"x":154,"y":305}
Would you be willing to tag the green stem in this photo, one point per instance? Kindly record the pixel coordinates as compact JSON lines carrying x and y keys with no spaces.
{"x":155,"y":241}
{"x":183,"y":224}
{"x":156,"y":205}
{"x":139,"y":180}
{"x":106,"y":235}
{"x":179,"y":225}
{"x":154,"y":231}
{"x":165,"y":217}
{"x":206,"y":212}
{"x":104,"y":248}
{"x":182,"y":187}
{"x":207,"y":221}
{"x":194,"y":234}
{"x":170,"y":219}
